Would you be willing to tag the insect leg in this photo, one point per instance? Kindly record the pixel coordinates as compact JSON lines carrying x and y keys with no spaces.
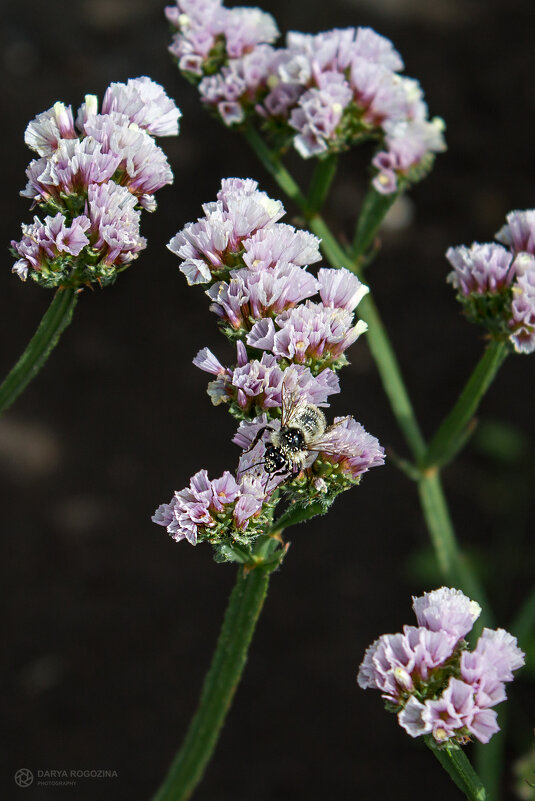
{"x":257,"y":437}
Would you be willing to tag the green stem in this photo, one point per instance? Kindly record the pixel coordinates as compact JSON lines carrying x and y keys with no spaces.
{"x":379,"y":343}
{"x":332,"y":251}
{"x":454,"y":761}
{"x":321,"y":181}
{"x":55,"y":320}
{"x":274,"y":166}
{"x":391,"y":378}
{"x":228,"y":662}
{"x":451,"y":560}
{"x":452,"y":432}
{"x":373,"y":211}
{"x":489,"y":758}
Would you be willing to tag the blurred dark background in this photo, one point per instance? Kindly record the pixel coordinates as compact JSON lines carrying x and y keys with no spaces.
{"x":110,"y":624}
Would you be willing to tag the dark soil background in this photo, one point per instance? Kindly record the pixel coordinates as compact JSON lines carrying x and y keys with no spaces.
{"x":110,"y":624}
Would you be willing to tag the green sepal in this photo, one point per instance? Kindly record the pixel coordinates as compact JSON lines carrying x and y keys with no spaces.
{"x":491,"y":309}
{"x":233,"y":552}
{"x":417,"y":172}
{"x":299,"y":511}
{"x":215,"y":60}
{"x":246,"y":555}
{"x":273,"y":561}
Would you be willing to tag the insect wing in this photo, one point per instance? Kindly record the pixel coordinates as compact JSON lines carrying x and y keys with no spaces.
{"x":292,"y":403}
{"x":334,"y":443}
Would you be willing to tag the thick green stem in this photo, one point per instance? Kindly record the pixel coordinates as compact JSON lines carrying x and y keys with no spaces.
{"x":55,"y":320}
{"x":220,"y":684}
{"x":454,"y":761}
{"x":452,"y":432}
{"x":321,"y":181}
{"x":372,"y":214}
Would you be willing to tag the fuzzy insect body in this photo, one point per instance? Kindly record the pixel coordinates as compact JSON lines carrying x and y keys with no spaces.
{"x":302,"y":423}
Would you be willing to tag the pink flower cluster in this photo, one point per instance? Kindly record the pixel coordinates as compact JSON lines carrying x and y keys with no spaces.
{"x":210,"y":509}
{"x":260,"y":305}
{"x":432,"y":681}
{"x":256,"y":385}
{"x":204,"y":27}
{"x":325,"y":92}
{"x":288,"y":349}
{"x":94,"y":175}
{"x":210,"y":246}
{"x":496,"y":283}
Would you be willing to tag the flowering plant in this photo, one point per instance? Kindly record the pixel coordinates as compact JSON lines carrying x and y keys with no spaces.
{"x":94,"y":175}
{"x":432,"y":681}
{"x":322,"y":93}
{"x":289,"y":349}
{"x":496,"y":283}
{"x":289,"y":325}
{"x":91,"y":180}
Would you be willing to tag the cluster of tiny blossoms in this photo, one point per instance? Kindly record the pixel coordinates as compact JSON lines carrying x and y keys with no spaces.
{"x":432,"y":681}
{"x":323,"y":92}
{"x":288,"y":350}
{"x":496,"y":283}
{"x":91,"y":179}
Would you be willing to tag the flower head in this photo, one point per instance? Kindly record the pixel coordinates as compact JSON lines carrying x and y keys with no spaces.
{"x":223,"y":509}
{"x":288,"y":351}
{"x":211,"y":245}
{"x":496,"y":283}
{"x":94,"y":176}
{"x":145,"y":103}
{"x":519,"y":232}
{"x":311,"y":334}
{"x":446,"y":610}
{"x":432,"y":681}
{"x":349,"y":449}
{"x":324,"y":92}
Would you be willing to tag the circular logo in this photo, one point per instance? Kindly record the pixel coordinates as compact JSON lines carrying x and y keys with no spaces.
{"x":24,"y":777}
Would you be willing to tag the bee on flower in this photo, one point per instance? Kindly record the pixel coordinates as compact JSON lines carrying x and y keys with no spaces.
{"x":289,"y":349}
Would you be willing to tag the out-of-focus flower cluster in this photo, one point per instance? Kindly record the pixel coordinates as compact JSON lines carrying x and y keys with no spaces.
{"x":496,"y":283}
{"x":288,"y":349}
{"x":430,"y":679}
{"x":324,"y":92}
{"x":91,"y":179}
